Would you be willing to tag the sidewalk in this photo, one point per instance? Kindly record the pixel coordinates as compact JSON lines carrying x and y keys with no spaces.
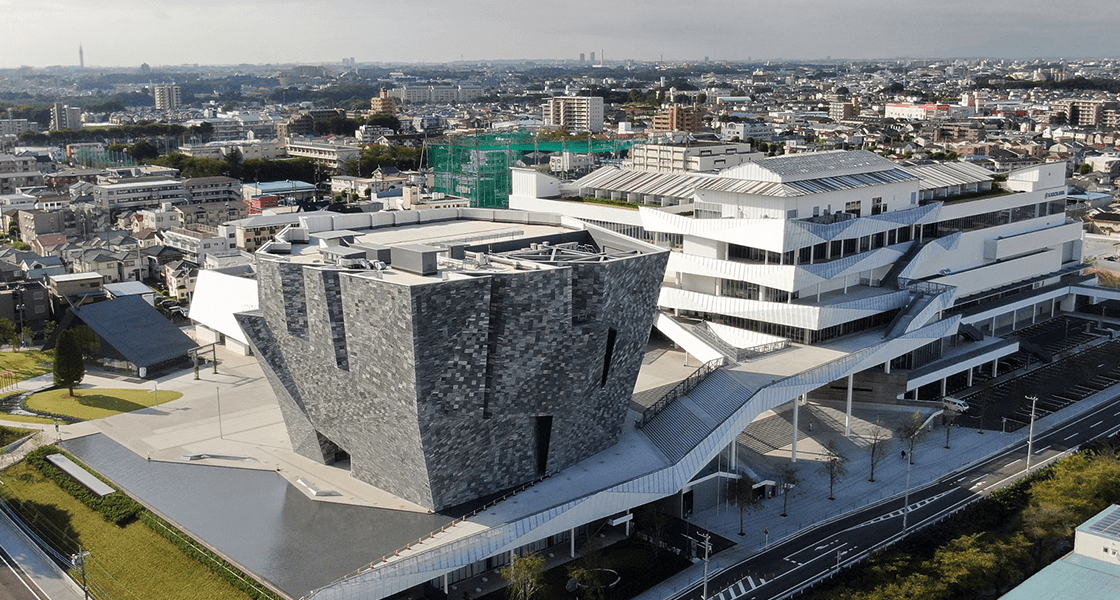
{"x":809,"y":505}
{"x":47,"y":575}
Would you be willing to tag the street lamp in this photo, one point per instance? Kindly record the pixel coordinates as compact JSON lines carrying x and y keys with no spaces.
{"x":1030,"y":436}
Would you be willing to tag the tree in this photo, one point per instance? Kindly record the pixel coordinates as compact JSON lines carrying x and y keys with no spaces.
{"x":742,"y":494}
{"x":877,"y":448}
{"x":788,"y":478}
{"x":7,"y":330}
{"x":69,"y":367}
{"x":908,"y":431}
{"x":143,"y":150}
{"x":525,"y":575}
{"x":1085,"y":169}
{"x":949,"y":416}
{"x":835,"y":465}
{"x":48,"y":328}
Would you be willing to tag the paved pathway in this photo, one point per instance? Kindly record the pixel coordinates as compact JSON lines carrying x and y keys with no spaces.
{"x":809,"y":505}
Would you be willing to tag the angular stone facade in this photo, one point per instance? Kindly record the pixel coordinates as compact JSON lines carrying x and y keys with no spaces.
{"x":449,"y":390}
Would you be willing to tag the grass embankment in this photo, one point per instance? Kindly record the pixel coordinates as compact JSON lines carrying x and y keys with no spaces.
{"x":27,"y":363}
{"x":95,"y":403}
{"x":135,"y":554}
{"x":11,"y":434}
{"x":126,"y":562}
{"x":993,"y":545}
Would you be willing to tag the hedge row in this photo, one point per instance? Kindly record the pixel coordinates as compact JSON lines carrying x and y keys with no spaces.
{"x":119,"y":508}
{"x":116,"y":508}
{"x":212,"y":561}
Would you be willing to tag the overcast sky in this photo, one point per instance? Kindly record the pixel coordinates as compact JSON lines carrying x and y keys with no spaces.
{"x":165,"y":32}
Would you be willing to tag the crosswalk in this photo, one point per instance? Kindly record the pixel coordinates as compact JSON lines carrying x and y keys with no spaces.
{"x":740,"y":588}
{"x":898,"y":513}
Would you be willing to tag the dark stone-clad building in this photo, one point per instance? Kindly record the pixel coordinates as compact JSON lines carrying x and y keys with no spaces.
{"x":446,"y":384}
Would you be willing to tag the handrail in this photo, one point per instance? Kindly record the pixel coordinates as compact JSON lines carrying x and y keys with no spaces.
{"x":433,"y":533}
{"x":685,"y":386}
{"x":705,"y":333}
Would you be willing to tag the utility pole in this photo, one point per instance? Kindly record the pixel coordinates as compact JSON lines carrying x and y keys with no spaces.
{"x":218,"y":396}
{"x":79,"y":560}
{"x":1030,"y":436}
{"x":707,"y":544}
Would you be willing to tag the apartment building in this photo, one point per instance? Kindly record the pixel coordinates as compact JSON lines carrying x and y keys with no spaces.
{"x":212,"y":189}
{"x":436,"y":94}
{"x":141,"y":192}
{"x":334,"y":156}
{"x":65,"y":117}
{"x":197,"y":241}
{"x":18,"y":172}
{"x":168,"y":97}
{"x":384,"y":103}
{"x":678,"y":118}
{"x":690,"y":157}
{"x":577,"y":113}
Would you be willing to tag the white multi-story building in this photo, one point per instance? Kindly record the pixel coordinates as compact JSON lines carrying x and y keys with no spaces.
{"x":197,"y":242}
{"x":690,"y":157}
{"x":213,"y":189}
{"x":578,"y":113}
{"x":810,"y":247}
{"x":168,"y":97}
{"x":331,"y":155}
{"x":112,"y":196}
{"x":65,"y":117}
{"x":437,"y":94}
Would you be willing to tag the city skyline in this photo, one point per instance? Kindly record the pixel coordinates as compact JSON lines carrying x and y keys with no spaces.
{"x":436,"y":31}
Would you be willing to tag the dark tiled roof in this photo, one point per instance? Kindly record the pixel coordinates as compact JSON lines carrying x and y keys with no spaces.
{"x":138,"y":331}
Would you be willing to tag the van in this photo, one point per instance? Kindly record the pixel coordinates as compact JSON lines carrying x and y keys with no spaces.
{"x":955,"y":405}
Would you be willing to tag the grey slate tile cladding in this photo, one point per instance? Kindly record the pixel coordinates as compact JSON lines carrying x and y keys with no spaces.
{"x":435,"y":390}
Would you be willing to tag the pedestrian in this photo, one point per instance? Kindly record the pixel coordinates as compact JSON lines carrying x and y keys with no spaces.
{"x":810,"y":425}
{"x":57,"y":435}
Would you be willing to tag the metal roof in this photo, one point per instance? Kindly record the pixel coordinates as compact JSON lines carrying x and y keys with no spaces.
{"x":823,"y":163}
{"x":944,"y":175}
{"x":679,"y":185}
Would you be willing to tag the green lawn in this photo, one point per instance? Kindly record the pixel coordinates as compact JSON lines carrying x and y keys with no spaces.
{"x":11,"y":434}
{"x":95,"y":403}
{"x":27,"y":363}
{"x":127,"y":562}
{"x":25,"y":419}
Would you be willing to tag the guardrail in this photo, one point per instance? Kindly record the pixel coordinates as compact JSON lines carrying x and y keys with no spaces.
{"x":682,"y":388}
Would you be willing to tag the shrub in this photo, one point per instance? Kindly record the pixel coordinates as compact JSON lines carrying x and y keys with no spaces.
{"x":116,"y":508}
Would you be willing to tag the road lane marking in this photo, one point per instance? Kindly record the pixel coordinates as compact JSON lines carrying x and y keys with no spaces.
{"x":1097,"y":423}
{"x":979,"y":478}
{"x":1069,"y":438}
{"x":1042,"y":450}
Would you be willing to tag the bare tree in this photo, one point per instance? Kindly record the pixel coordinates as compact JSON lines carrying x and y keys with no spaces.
{"x":949,"y":416}
{"x":788,"y":478}
{"x":877,"y":448}
{"x":742,"y":494}
{"x":908,"y":430}
{"x":835,"y":465}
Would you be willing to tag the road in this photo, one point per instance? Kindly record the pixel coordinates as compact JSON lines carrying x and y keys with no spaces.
{"x":784,"y":568}
{"x":15,"y":584}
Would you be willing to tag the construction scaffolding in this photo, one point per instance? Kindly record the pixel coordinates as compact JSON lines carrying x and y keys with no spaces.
{"x":477,"y":167}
